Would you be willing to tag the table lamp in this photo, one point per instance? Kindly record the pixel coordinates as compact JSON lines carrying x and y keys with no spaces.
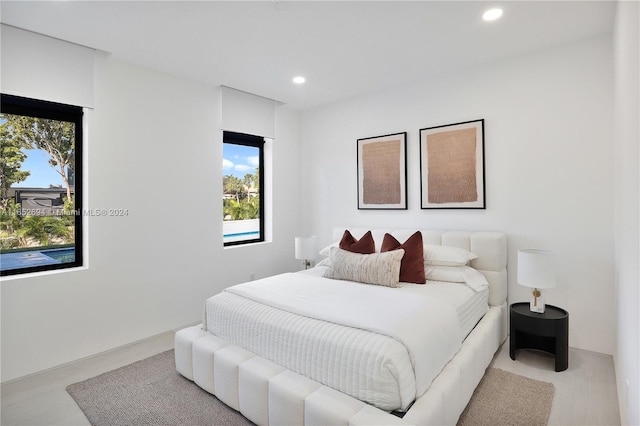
{"x":306,"y":249}
{"x":536,"y":269}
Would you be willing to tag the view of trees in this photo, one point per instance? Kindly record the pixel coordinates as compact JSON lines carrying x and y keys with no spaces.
{"x":241,"y":197}
{"x":57,"y":138}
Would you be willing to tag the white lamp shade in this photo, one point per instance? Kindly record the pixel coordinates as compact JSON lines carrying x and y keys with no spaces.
{"x":306,"y":247}
{"x":536,"y":268}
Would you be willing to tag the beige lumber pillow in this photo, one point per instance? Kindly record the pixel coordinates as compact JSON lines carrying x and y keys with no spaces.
{"x":376,"y":268}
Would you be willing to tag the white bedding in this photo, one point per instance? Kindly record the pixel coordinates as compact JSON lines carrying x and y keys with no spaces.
{"x":366,"y":365}
{"x":470,"y":305}
{"x":324,"y":329}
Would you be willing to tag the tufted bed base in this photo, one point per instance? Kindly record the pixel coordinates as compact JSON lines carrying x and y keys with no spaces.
{"x":269,"y":394}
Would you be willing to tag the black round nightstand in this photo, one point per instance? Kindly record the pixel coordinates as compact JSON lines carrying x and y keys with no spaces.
{"x":548,"y":332}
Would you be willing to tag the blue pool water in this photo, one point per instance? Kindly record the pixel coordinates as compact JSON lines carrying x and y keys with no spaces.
{"x":25,"y":259}
{"x":242,"y":234}
{"x":61,"y":255}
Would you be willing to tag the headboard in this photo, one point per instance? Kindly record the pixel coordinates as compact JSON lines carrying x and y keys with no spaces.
{"x":490,"y":247}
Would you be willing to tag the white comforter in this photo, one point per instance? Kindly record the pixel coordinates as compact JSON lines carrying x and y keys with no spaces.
{"x":405,"y":337}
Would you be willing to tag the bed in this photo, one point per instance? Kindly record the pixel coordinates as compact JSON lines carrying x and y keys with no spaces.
{"x":289,"y":350}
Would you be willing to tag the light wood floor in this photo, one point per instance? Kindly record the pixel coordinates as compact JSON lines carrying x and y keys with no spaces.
{"x":585,"y":394}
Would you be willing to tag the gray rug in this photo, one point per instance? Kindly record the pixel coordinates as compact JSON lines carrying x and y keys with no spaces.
{"x":504,"y":398}
{"x":151,"y":393}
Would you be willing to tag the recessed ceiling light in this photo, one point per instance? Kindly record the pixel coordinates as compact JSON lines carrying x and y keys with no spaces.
{"x":492,"y":14}
{"x":299,"y":79}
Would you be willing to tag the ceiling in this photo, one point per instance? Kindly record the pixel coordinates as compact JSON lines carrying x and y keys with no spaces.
{"x":344,"y":49}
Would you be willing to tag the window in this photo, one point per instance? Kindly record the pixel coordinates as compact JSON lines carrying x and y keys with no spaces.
{"x":41,"y":185}
{"x":243,"y":188}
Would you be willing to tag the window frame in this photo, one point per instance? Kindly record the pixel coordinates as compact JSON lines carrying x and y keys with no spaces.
{"x":17,"y":105}
{"x":244,"y":139}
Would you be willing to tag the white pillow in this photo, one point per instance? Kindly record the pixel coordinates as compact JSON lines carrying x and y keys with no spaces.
{"x":324,"y":262}
{"x":457,"y":274}
{"x":376,"y":268}
{"x":446,"y":256}
{"x":327,"y":250}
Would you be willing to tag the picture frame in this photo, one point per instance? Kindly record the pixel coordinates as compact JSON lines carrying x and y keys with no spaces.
{"x":382,"y":172}
{"x":452,"y":173}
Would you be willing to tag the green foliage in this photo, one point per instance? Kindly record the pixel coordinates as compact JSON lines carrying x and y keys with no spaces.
{"x":11,"y":159}
{"x":33,"y":226}
{"x":253,"y":208}
{"x":9,"y":242}
{"x":233,"y":186}
{"x":9,"y":219}
{"x":251,"y":181}
{"x":10,"y":223}
{"x":245,"y":203}
{"x":68,"y":218}
{"x":55,"y":228}
{"x":44,"y":229}
{"x":243,"y":210}
{"x":55,"y":137}
{"x":18,"y":232}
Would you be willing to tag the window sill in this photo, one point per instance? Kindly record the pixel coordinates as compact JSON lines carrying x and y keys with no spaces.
{"x":42,"y":273}
{"x":237,"y":246}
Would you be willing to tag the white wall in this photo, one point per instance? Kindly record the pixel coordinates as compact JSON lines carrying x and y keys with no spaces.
{"x":627,"y":218}
{"x":154,"y":148}
{"x":548,"y":160}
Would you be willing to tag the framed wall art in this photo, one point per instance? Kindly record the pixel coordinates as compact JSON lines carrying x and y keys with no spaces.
{"x":382,"y":172}
{"x":452,"y":166}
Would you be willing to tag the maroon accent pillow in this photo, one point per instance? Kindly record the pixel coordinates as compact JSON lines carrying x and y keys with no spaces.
{"x":412,"y":265}
{"x":364,"y":245}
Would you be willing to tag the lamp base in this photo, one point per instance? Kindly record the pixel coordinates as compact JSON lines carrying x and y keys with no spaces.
{"x":537,"y":302}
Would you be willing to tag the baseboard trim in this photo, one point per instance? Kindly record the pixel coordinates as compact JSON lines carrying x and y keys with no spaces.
{"x":96,"y":355}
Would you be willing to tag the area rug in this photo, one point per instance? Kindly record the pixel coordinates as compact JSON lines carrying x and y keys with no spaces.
{"x":151,"y":393}
{"x":504,"y":398}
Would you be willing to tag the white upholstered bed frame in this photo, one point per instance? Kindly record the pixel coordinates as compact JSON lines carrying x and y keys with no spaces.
{"x":267,"y":393}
